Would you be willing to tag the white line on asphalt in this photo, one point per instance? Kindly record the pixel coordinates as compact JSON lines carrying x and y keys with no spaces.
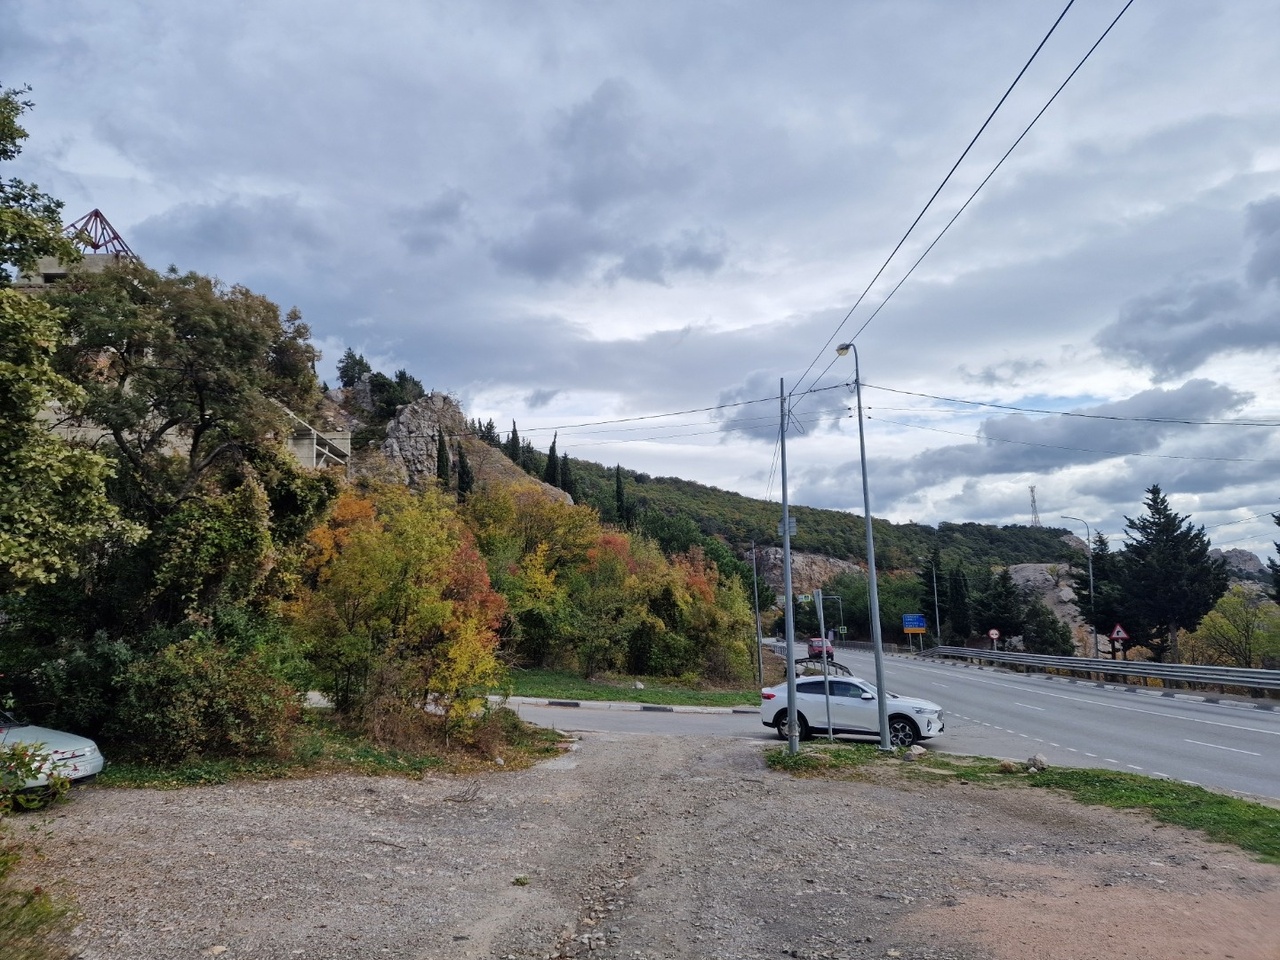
{"x":1109,"y":760}
{"x":1132,"y":767}
{"x":937,"y":684}
{"x":1218,"y":746}
{"x":1028,"y":706}
{"x":1117,"y":706}
{"x":1094,"y":755}
{"x":1073,"y":750}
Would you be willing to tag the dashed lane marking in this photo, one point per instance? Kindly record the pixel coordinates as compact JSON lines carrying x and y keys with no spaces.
{"x":1218,"y":746}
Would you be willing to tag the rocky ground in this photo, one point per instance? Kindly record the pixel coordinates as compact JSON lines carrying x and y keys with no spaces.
{"x":645,"y":847}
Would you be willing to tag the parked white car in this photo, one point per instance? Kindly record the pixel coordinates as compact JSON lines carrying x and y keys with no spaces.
{"x":853,"y":711}
{"x":74,"y":757}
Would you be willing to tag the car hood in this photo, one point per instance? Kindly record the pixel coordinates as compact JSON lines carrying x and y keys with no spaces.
{"x":51,"y":741}
{"x":913,"y":703}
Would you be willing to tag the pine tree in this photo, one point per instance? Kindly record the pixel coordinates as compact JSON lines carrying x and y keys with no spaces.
{"x":466,"y":478}
{"x":1275,"y":567}
{"x":551,"y":474}
{"x":442,"y":461}
{"x":1167,"y":577}
{"x":1001,"y":606}
{"x":351,"y":368}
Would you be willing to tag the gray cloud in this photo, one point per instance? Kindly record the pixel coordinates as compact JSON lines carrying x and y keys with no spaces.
{"x":427,"y":228}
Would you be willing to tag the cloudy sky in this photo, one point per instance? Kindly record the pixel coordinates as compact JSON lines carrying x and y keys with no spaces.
{"x":628,"y":222}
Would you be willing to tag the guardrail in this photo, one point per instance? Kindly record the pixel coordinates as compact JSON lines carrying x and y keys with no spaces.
{"x":1167,"y":673}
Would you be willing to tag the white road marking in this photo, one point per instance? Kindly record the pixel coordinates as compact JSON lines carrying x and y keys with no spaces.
{"x":1028,"y":706}
{"x":1218,"y":746}
{"x":1132,"y":767}
{"x":1093,"y":755}
{"x":1116,"y":706}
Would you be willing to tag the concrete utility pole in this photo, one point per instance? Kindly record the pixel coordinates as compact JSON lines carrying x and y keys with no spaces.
{"x":793,"y":735}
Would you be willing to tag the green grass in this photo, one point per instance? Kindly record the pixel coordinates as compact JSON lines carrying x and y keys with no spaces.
{"x":1252,"y":827}
{"x":557,"y":685}
{"x":321,"y":747}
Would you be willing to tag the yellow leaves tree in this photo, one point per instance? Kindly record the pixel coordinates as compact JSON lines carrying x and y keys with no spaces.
{"x":401,"y":619}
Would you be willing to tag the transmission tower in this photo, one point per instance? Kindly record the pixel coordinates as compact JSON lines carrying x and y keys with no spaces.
{"x":1035,"y":512}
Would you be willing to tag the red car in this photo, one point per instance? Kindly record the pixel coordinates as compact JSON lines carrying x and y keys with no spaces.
{"x":819,"y":648}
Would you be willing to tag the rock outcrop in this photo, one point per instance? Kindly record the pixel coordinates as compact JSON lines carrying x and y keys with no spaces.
{"x":808,"y":570}
{"x":410,"y":446}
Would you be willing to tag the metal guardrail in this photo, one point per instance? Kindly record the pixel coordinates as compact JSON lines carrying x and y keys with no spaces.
{"x":1165,"y":672}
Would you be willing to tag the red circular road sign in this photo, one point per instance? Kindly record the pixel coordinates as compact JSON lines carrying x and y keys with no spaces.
{"x":993,"y":634}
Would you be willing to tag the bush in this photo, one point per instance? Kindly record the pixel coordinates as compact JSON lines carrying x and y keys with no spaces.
{"x":20,"y":763}
{"x":198,"y":698}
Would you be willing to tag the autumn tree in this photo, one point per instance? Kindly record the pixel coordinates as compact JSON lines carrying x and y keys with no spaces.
{"x":1242,"y":630}
{"x":466,"y":476}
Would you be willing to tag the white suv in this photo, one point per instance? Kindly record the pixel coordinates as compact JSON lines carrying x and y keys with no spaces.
{"x":853,"y":710}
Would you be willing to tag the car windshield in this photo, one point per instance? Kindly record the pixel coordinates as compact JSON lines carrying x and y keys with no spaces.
{"x":9,"y":720}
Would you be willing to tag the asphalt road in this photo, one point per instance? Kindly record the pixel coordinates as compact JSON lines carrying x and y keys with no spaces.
{"x":1002,"y":714}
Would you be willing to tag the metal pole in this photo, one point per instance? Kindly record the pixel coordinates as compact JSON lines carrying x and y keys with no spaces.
{"x":877,"y":643}
{"x":826,"y":673}
{"x":937,"y":617}
{"x":793,"y":735}
{"x":1088,"y":544}
{"x":755,"y":596}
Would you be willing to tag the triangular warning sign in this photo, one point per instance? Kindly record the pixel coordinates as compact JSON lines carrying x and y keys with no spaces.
{"x":1118,"y":633}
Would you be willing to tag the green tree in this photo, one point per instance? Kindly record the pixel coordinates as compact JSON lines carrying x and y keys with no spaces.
{"x":1275,"y":567}
{"x":466,"y":476}
{"x":1001,"y":606}
{"x":619,"y":496}
{"x":53,"y":497}
{"x":1044,"y":633}
{"x":1167,"y":578}
{"x":551,"y":474}
{"x":568,"y":482}
{"x":30,"y":221}
{"x":931,"y":586}
{"x":959,"y":605}
{"x":512,"y":447}
{"x":442,"y":462}
{"x":351,"y":368}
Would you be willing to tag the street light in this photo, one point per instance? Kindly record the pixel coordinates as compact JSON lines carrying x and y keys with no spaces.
{"x":937,"y":617}
{"x":873,"y":593}
{"x":839,"y":601}
{"x":1089,"y":551}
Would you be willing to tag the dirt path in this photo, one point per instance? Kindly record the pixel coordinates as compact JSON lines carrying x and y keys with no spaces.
{"x":645,"y":847}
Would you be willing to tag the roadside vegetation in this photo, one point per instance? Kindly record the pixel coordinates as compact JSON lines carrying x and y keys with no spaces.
{"x":561,"y":685}
{"x":1252,"y":827}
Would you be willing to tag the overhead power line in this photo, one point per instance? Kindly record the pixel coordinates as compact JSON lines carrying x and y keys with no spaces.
{"x":945,"y":180}
{"x":965,"y":205}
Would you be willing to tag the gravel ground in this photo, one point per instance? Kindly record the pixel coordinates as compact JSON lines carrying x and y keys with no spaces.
{"x":644,"y":847}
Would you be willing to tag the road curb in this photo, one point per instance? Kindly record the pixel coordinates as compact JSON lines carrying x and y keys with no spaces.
{"x":620,"y":705}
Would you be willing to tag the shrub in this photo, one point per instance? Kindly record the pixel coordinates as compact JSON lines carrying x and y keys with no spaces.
{"x":198,"y":698}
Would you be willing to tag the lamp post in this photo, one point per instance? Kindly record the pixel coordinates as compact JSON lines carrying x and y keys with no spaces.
{"x":1088,"y":543}
{"x":839,"y":601}
{"x":873,"y":593}
{"x":755,"y":597}
{"x":937,"y":617}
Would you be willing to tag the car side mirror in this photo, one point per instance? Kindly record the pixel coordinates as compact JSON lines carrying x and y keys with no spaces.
{"x":866,"y":696}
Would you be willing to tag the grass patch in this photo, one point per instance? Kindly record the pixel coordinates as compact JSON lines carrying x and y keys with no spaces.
{"x":1252,"y":827}
{"x":322,"y":746}
{"x":824,"y":761}
{"x":559,"y":685}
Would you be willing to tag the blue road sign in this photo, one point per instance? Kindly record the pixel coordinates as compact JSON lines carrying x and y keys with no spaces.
{"x":914,"y":621}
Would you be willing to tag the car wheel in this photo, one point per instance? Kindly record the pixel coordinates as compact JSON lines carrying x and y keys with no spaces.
{"x":803,"y":731}
{"x":780,"y":724}
{"x":902,"y":732}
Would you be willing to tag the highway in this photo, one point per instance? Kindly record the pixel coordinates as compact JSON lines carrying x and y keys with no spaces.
{"x":1000,"y":714}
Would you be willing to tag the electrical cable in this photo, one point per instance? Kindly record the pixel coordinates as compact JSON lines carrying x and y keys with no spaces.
{"x":965,"y":205}
{"x":938,"y":190}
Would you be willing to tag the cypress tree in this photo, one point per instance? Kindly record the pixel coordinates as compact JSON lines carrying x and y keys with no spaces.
{"x":466,"y":478}
{"x":512,"y":449}
{"x":551,"y":474}
{"x":442,"y":460}
{"x":567,"y":482}
{"x":619,"y":495}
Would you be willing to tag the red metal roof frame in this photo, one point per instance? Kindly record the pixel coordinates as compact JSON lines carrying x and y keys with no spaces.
{"x":93,"y":233}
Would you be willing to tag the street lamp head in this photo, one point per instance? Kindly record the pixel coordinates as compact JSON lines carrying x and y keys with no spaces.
{"x":844,"y":348}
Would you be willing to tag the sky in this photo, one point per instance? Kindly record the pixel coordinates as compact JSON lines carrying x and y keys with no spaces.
{"x":633,"y":225}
